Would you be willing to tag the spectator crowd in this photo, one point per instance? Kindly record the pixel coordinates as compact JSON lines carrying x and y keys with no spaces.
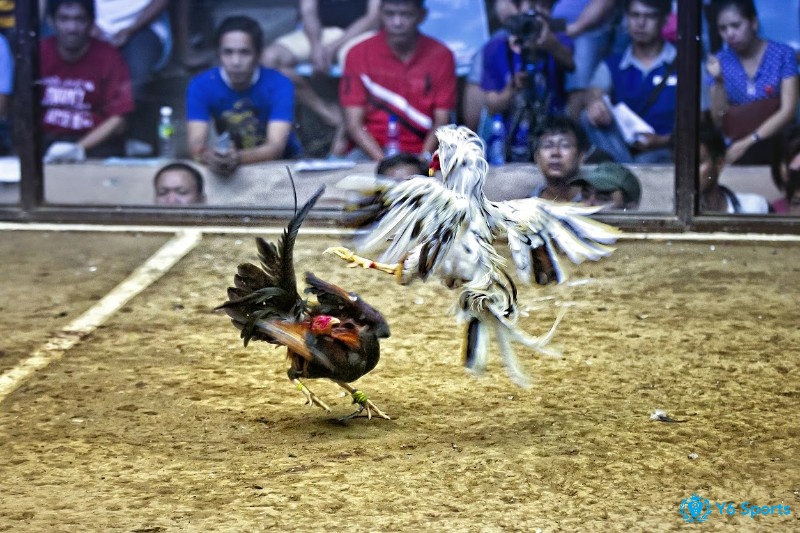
{"x":573,"y":81}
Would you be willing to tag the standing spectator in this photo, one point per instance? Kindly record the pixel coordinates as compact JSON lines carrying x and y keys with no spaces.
{"x":753,"y":81}
{"x":178,"y":184}
{"x":589,"y":26}
{"x":86,"y":88}
{"x":6,"y":88}
{"x":140,"y":30}
{"x":253,"y":106}
{"x":523,"y":73}
{"x":329,"y":28}
{"x":643,"y":78}
{"x":397,"y":72}
{"x":716,"y":198}
{"x":559,"y":145}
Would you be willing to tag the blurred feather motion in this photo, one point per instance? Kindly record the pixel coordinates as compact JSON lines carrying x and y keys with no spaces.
{"x":447,"y":229}
{"x":337,"y":338}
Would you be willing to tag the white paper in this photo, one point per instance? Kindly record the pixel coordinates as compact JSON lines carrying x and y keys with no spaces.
{"x":630,"y":124}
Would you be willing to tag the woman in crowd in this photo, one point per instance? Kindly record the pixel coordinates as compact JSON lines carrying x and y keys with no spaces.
{"x":753,"y":84}
{"x":716,"y":198}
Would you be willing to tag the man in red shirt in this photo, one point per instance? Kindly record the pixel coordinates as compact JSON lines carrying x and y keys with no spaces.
{"x":397,"y":72}
{"x":86,"y":87}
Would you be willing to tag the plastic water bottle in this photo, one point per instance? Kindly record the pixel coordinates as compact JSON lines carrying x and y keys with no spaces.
{"x":392,"y":146}
{"x":496,"y":147}
{"x":166,"y":134}
{"x":520,"y":145}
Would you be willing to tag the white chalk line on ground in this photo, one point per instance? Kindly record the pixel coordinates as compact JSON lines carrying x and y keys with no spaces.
{"x":343,"y":232}
{"x":141,"y":278}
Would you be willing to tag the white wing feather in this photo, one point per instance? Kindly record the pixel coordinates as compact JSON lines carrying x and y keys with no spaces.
{"x":421,"y":210}
{"x":532,"y":222}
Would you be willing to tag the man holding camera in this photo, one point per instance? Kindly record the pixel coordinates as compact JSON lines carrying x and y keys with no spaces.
{"x":523,"y":71}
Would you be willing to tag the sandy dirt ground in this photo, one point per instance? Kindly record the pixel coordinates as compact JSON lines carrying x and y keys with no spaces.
{"x":162,"y":421}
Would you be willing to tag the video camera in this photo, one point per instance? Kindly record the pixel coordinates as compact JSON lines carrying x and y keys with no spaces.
{"x":527,"y":27}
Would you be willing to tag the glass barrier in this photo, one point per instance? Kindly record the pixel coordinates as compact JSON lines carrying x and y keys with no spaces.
{"x":125,"y":177}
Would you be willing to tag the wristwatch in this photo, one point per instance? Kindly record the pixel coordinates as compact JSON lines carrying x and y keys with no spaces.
{"x":756,"y":137}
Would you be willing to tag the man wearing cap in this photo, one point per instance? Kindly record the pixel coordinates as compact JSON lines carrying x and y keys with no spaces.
{"x":609,"y":184}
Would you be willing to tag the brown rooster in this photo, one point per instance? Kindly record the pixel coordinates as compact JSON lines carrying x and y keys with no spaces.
{"x":337,"y":338}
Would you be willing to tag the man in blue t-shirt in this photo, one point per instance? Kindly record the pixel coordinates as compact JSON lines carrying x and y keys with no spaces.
{"x":643,"y":78}
{"x":251,"y":106}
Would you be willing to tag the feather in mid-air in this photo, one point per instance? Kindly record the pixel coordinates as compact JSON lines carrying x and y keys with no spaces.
{"x":337,"y":338}
{"x":447,"y":229}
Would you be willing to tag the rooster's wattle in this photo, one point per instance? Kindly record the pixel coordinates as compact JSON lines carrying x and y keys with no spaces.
{"x":337,"y":338}
{"x":448,"y":229}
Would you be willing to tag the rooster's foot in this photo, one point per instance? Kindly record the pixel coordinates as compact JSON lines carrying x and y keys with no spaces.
{"x":358,"y":261}
{"x":311,"y":398}
{"x":365,"y":404}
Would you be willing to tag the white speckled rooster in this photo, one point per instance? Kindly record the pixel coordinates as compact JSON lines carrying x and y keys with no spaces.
{"x":447,"y":229}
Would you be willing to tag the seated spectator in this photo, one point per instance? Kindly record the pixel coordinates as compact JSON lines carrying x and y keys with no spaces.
{"x":86,"y":88}
{"x":6,"y":89}
{"x":523,"y":74}
{"x":401,"y":166}
{"x":329,"y":28}
{"x":643,"y":78}
{"x":178,"y":184}
{"x":612,"y":185}
{"x":753,"y":85}
{"x":397,"y":72}
{"x":559,"y":145}
{"x":140,"y":29}
{"x":252,"y":106}
{"x":589,"y":24}
{"x":786,"y":173}
{"x":716,"y":198}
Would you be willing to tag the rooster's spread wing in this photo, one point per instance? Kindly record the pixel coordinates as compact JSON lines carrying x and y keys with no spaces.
{"x":422,"y":213}
{"x":533,"y":226}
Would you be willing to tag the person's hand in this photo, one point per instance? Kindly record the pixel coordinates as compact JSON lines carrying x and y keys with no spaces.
{"x":547,"y":40}
{"x":222,"y":162}
{"x":713,"y":67}
{"x":63,"y":152}
{"x":517,"y":81}
{"x":321,"y":59}
{"x":120,"y":38}
{"x":598,"y":113}
{"x":649,"y":141}
{"x":736,"y":150}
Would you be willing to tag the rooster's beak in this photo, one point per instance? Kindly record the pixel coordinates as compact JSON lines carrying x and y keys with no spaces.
{"x":435,"y":164}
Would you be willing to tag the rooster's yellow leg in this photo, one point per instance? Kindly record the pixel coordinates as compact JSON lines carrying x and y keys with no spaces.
{"x":365,"y":403}
{"x":310,"y":396}
{"x":358,"y":261}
